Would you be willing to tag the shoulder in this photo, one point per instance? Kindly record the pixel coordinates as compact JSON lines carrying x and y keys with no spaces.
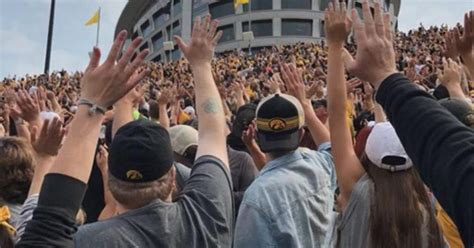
{"x":360,"y":199}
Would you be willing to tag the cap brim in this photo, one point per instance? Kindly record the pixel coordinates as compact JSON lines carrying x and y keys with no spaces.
{"x":278,"y":142}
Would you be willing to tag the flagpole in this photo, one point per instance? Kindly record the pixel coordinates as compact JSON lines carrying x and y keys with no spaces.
{"x":250,"y":25}
{"x":98,"y":31}
{"x":50,"y":37}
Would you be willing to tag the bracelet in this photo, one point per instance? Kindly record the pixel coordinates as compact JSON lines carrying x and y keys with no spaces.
{"x":94,"y":108}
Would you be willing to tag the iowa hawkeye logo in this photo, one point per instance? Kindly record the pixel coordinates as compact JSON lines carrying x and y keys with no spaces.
{"x":277,"y":124}
{"x":134,"y":175}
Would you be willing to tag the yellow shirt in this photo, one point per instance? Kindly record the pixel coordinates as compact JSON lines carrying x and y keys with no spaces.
{"x":448,"y":227}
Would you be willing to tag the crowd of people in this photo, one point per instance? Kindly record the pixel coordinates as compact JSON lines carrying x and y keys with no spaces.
{"x":363,"y":140}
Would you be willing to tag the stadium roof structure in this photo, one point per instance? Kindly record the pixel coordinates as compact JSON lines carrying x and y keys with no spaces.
{"x":133,"y":11}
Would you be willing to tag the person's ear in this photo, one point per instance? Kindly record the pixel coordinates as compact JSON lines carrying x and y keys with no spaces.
{"x":301,"y":134}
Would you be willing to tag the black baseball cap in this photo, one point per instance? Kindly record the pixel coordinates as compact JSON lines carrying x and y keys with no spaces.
{"x":140,"y":152}
{"x":461,"y":109}
{"x":279,"y":117}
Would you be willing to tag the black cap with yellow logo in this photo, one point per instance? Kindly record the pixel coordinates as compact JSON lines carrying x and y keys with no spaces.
{"x":140,"y":152}
{"x":279,"y":117}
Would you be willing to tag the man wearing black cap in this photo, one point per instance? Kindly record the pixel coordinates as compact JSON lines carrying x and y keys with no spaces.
{"x":290,"y":203}
{"x":142,"y":175}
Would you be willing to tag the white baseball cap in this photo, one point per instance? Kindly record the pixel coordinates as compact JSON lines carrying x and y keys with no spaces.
{"x":182,"y":137}
{"x":385,"y":150}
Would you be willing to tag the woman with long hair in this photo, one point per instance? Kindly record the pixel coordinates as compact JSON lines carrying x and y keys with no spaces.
{"x":382,"y":199}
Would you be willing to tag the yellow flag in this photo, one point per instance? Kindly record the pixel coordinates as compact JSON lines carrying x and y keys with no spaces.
{"x":94,"y":19}
{"x":239,"y":2}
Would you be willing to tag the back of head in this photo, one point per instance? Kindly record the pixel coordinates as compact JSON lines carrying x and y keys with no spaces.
{"x":16,"y":169}
{"x":244,"y":116}
{"x":400,"y":207}
{"x":279,"y":120}
{"x":462,"y":110}
{"x":184,"y":140}
{"x":140,"y":164}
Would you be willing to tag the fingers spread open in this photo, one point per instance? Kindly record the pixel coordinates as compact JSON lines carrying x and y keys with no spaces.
{"x":217,"y":37}
{"x":359,"y":29}
{"x":129,"y":53}
{"x":369,"y":23}
{"x":388,"y":26}
{"x":115,"y":50}
{"x":137,"y":62}
{"x":196,"y":26}
{"x":379,"y":21}
{"x":94,"y":60}
{"x":212,"y":30}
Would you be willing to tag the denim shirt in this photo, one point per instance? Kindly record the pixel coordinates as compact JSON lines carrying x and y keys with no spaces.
{"x":290,"y":204}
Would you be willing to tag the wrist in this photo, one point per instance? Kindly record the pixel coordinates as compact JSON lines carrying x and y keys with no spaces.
{"x":378,"y":79}
{"x":335,"y":45}
{"x":43,"y":157}
{"x":196,"y":67}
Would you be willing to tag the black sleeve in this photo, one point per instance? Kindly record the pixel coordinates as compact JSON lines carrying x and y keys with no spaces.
{"x":441,"y":147}
{"x":53,"y":222}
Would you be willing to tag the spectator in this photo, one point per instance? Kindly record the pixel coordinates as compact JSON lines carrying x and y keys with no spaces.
{"x":295,"y":186}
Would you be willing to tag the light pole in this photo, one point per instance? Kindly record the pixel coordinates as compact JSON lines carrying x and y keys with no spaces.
{"x":50,"y":37}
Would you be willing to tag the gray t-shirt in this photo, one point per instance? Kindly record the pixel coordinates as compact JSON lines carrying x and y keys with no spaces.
{"x":201,"y":216}
{"x":243,"y":172}
{"x":353,"y":223}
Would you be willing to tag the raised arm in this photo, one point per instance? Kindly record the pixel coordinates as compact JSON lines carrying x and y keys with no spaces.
{"x":440,"y":146}
{"x":101,"y":87}
{"x":451,"y":78}
{"x":46,"y":143}
{"x":348,"y":167}
{"x":123,"y":113}
{"x":295,"y":85}
{"x":209,"y":107}
{"x":163,"y":100}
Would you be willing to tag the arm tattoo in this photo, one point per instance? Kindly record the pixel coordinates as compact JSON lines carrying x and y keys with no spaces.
{"x":211,"y":106}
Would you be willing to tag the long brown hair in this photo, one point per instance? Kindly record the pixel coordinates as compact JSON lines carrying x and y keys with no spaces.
{"x":400,"y":205}
{"x":16,"y":169}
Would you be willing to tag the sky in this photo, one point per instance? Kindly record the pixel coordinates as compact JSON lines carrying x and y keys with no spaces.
{"x":24,"y":28}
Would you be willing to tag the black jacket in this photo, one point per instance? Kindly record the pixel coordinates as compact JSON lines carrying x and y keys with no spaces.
{"x":441,"y":147}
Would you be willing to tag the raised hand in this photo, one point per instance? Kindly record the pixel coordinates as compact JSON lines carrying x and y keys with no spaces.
{"x":165,"y":97}
{"x":336,"y":24}
{"x":450,"y":50}
{"x":47,"y":141}
{"x":451,"y":77}
{"x":274,"y":83}
{"x":464,"y":42}
{"x":203,"y":41}
{"x":101,"y":159}
{"x":26,"y":107}
{"x":105,"y":84}
{"x":375,"y":58}
{"x":353,"y":84}
{"x":294,"y":82}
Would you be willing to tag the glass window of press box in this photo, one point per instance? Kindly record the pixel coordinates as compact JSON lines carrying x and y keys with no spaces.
{"x":162,"y":15}
{"x":296,"y":4}
{"x":177,"y":7}
{"x":157,"y":41}
{"x":258,"y":5}
{"x":228,"y":33}
{"x":146,"y":29}
{"x":324,"y":4}
{"x":296,"y":27}
{"x":221,"y":8}
{"x":260,"y":28}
